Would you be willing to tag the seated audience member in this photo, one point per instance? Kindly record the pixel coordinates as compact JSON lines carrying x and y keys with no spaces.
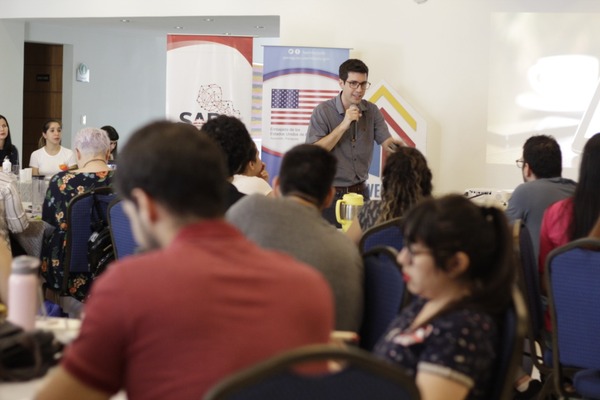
{"x":7,"y":149}
{"x":457,"y":261}
{"x":406,"y":179}
{"x":292,"y":222}
{"x":254,"y":178}
{"x":202,"y":301}
{"x":113,"y":135}
{"x":51,"y":157}
{"x":574,"y":217}
{"x":232,"y":136}
{"x":92,"y":148}
{"x":13,"y":219}
{"x":541,"y":166}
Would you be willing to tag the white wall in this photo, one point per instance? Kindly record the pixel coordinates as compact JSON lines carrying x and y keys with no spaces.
{"x":127,"y":76}
{"x":436,"y":55}
{"x":12,"y":53}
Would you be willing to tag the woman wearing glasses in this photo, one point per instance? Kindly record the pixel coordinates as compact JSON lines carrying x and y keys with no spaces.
{"x":457,"y":262}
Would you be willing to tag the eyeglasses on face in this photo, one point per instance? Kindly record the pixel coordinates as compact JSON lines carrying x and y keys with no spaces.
{"x":520,"y":162}
{"x":355,"y":84}
{"x":412,"y":253}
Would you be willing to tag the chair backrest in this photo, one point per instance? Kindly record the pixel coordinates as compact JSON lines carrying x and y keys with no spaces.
{"x":388,"y":233}
{"x":120,"y":230}
{"x":528,"y":277}
{"x":79,"y":218}
{"x":512,"y":335}
{"x":573,"y":278}
{"x":384,"y":291}
{"x":362,"y":376}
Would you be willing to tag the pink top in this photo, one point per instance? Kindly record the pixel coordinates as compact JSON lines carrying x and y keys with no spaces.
{"x":555,"y":229}
{"x":554,"y":233}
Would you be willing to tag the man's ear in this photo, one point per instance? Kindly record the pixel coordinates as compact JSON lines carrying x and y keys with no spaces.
{"x":458,"y":264}
{"x":528,"y":172}
{"x":147,"y":207}
{"x":341,"y":82}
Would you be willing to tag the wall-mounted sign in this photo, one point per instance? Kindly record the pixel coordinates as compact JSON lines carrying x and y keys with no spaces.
{"x":42,"y":78}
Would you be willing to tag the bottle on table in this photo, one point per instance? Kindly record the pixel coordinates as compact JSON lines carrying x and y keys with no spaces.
{"x":23,"y":288}
{"x":6,"y":165}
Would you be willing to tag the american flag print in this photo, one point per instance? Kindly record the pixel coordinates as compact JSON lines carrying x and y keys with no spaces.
{"x":295,"y":106}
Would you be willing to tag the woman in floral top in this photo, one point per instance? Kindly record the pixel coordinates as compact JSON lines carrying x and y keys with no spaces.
{"x":457,"y":261}
{"x":92,"y":148}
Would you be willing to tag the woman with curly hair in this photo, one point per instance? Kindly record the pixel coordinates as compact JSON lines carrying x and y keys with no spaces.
{"x":406,"y":179}
{"x":92,"y":148}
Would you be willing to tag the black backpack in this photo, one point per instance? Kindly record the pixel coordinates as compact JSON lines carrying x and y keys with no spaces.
{"x":100,"y":246}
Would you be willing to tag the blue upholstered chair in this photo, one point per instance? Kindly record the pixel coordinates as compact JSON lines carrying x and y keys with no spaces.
{"x":573,"y":278}
{"x":120,"y":230}
{"x":388,"y":233}
{"x":79,"y":219}
{"x":529,"y":283}
{"x":512,"y":335}
{"x":360,"y":376}
{"x":385,"y":294}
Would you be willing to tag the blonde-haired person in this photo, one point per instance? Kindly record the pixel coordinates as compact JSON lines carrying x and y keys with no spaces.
{"x":406,"y":180}
{"x":92,"y":149}
{"x":51,"y":157}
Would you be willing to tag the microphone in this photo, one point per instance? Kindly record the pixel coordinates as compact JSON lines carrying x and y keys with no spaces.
{"x":354,"y":125}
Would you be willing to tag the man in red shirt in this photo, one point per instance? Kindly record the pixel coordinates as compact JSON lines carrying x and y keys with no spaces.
{"x":202,"y":301}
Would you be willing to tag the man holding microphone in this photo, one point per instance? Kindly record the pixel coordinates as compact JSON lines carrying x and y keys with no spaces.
{"x":347,"y":125}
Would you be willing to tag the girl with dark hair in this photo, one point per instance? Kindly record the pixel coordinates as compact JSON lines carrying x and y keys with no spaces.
{"x":51,"y":157}
{"x":458,"y":263}
{"x":113,"y":135}
{"x":7,"y":149}
{"x":574,"y":217}
{"x":406,"y":179}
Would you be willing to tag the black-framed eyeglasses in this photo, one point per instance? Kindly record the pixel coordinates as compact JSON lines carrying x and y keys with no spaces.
{"x":355,"y":84}
{"x":413,"y":253}
{"x":520,"y":162}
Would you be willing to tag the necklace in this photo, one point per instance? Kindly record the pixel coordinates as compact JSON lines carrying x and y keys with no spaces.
{"x":95,"y":159}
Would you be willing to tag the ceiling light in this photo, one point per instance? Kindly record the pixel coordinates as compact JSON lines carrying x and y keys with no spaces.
{"x":259,"y":27}
{"x":208,"y":19}
{"x":125,"y":21}
{"x":179,"y":27}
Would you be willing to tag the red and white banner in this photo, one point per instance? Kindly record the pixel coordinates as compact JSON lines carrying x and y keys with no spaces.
{"x":208,"y":76}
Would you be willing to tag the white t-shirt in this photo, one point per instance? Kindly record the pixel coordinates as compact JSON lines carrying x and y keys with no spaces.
{"x":251,"y":185}
{"x":49,"y":165}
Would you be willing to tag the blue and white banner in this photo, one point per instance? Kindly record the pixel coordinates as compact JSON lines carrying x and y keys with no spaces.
{"x":295,"y":81}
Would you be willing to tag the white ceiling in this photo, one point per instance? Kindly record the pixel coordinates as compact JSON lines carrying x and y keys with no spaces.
{"x":256,"y":26}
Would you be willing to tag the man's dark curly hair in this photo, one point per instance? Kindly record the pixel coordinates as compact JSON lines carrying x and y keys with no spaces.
{"x":233,"y":137}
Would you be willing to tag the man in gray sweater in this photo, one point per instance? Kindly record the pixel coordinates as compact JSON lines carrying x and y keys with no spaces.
{"x":292,"y":222}
{"x":541,"y":166}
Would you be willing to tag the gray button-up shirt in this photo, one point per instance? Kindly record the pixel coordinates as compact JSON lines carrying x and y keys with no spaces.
{"x":353,"y":156}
